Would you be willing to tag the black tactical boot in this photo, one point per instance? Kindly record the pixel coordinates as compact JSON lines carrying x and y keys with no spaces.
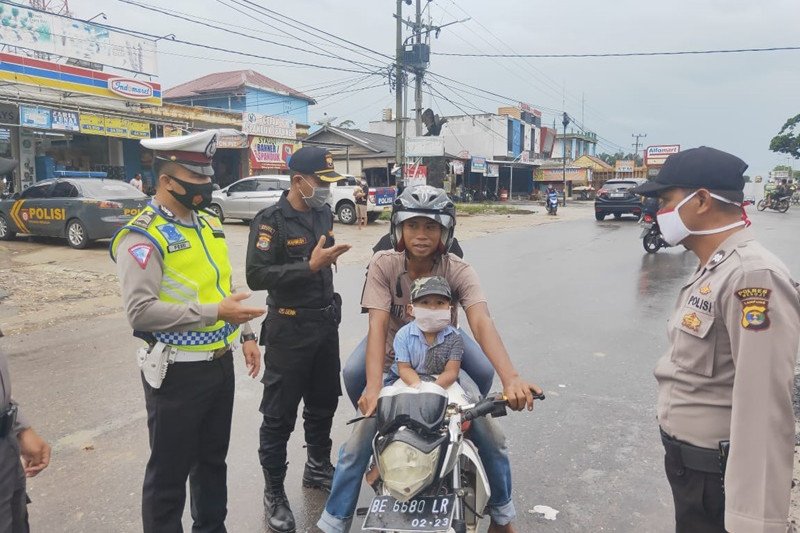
{"x":276,"y":506}
{"x":318,"y":473}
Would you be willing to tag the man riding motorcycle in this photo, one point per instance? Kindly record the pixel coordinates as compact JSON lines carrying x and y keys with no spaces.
{"x":422,"y":228}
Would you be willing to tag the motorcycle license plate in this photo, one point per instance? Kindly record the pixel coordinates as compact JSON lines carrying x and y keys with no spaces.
{"x":432,"y":514}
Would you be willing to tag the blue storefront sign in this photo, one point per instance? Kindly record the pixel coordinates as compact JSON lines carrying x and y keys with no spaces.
{"x":43,"y":118}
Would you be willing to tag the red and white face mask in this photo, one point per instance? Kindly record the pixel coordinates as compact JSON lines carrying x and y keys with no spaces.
{"x":674,"y":231}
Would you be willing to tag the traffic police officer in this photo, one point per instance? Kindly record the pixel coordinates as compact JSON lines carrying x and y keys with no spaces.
{"x":725,"y":385}
{"x":175,"y":276}
{"x":290,"y":253}
{"x":17,"y":439}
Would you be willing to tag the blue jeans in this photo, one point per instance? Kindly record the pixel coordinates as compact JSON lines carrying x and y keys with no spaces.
{"x":354,"y":458}
{"x":474,"y":362}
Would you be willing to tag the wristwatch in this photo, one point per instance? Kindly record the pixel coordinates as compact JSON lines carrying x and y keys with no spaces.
{"x":248,"y":337}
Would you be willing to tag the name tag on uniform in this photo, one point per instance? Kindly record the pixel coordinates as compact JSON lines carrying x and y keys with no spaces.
{"x":297,"y":241}
{"x":178,"y":246}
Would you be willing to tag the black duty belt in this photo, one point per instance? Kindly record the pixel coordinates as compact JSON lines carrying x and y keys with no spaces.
{"x":325,"y":313}
{"x":7,"y":420}
{"x":694,"y":457}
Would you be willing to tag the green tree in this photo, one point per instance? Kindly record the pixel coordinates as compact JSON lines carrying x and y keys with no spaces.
{"x":788,"y":140}
{"x":611,"y":159}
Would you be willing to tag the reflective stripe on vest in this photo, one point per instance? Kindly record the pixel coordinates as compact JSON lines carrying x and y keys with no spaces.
{"x":196,"y":270}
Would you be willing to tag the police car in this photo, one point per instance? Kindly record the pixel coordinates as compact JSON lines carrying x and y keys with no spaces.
{"x":78,"y":209}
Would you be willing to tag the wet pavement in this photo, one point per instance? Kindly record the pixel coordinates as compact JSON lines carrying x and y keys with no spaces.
{"x":580,"y":306}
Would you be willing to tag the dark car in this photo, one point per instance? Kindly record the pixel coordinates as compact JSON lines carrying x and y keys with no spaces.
{"x":78,"y":209}
{"x":616,"y":198}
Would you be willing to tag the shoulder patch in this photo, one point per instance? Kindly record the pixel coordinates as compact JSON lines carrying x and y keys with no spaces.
{"x":266,"y":228}
{"x":755,"y":308}
{"x":144,"y":220}
{"x":264,"y":242}
{"x":141,"y":253}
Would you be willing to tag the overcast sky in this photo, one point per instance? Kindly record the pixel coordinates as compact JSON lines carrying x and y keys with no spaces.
{"x":735,"y":102}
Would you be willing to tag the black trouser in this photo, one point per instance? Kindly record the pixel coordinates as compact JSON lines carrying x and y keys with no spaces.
{"x":189,"y":419}
{"x":301,"y":361}
{"x":699,"y":496}
{"x":13,"y":500}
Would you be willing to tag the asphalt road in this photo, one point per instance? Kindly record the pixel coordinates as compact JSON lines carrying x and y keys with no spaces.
{"x":580,"y":306}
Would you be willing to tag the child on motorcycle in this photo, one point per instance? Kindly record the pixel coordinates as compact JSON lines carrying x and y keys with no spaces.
{"x":428,"y":345}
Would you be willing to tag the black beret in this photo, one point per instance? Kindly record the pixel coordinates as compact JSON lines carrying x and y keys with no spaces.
{"x":698,"y":168}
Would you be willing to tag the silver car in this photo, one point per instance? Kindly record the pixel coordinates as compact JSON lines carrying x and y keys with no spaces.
{"x":248,"y":196}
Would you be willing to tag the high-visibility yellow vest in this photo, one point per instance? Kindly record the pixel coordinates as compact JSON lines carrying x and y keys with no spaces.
{"x":196,"y":270}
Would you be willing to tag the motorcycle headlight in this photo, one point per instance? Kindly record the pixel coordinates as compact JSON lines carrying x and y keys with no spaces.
{"x":406,"y":470}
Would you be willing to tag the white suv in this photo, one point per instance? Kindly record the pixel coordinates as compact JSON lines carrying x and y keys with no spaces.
{"x":343,"y":204}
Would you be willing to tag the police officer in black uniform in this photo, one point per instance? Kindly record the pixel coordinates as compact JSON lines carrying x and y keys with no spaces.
{"x":290,"y":254}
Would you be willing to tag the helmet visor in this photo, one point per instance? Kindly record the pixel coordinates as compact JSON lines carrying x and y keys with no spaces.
{"x":446,"y":221}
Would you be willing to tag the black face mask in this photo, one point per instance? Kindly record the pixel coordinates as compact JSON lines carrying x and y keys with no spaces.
{"x":196,"y":197}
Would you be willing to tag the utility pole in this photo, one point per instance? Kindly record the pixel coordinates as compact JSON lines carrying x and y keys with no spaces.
{"x":565,"y":122}
{"x":420,"y":72}
{"x":399,"y":82}
{"x":635,"y":145}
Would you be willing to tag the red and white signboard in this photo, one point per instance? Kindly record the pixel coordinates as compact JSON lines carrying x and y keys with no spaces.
{"x":658,"y":154}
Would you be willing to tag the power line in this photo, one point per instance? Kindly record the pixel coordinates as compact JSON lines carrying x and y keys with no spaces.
{"x":266,"y":20}
{"x":192,"y":19}
{"x":626,"y":54}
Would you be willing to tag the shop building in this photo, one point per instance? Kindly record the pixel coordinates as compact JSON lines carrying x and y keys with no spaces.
{"x":79,"y":96}
{"x":273,"y":115}
{"x":493,"y":151}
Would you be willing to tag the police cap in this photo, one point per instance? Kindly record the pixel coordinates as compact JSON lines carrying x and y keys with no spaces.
{"x":699,"y":168}
{"x":193,"y":151}
{"x":316,"y":161}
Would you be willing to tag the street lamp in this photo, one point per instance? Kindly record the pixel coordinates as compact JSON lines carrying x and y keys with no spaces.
{"x":101,"y":14}
{"x":565,"y":122}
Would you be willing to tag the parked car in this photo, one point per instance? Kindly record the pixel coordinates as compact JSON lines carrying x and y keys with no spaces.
{"x":616,"y":199}
{"x":78,"y":209}
{"x":343,"y":203}
{"x":246,"y":197}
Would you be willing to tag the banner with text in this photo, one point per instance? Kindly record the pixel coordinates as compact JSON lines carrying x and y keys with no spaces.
{"x":268,"y":153}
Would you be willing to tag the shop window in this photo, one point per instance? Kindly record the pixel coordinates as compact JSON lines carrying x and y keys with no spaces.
{"x":64,"y":189}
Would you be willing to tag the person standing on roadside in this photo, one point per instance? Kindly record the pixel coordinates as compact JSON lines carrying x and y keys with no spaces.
{"x":17,"y":440}
{"x":175,"y":275}
{"x":137,"y":182}
{"x":290,"y":254}
{"x":726,"y":383}
{"x":361,"y":194}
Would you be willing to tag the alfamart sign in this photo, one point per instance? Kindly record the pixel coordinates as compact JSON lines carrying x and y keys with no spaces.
{"x":658,"y":154}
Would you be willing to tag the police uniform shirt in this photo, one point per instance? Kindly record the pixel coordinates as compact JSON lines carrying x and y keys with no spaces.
{"x":729,"y":375}
{"x":140,"y":282}
{"x":281,"y":242}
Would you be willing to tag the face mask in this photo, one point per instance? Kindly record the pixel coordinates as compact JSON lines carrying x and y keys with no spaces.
{"x":318,"y":198}
{"x":196,"y":197}
{"x":674,"y":231}
{"x":431,"y":320}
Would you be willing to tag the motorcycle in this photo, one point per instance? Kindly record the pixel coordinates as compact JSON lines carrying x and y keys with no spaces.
{"x":552,"y":204}
{"x":651,"y":235}
{"x":775,"y":203}
{"x":796,"y":198}
{"x":430,"y":476}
